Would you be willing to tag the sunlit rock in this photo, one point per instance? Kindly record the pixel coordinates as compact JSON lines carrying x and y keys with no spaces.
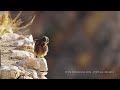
{"x":9,"y":72}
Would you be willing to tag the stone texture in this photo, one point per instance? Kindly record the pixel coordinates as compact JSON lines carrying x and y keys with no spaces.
{"x":26,"y":42}
{"x":42,"y":73}
{"x":14,"y":72}
{"x":25,"y":77}
{"x":32,"y":74}
{"x":10,"y":36}
{"x":38,"y":64}
{"x":17,"y":54}
{"x":18,"y":43}
{"x":42,"y":77}
{"x":9,"y":72}
{"x":18,"y":59}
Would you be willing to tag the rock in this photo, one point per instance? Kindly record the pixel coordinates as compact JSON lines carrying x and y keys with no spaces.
{"x":20,"y":48}
{"x":10,"y":37}
{"x":17,"y":54}
{"x":9,"y":72}
{"x":21,"y":68}
{"x":25,"y":43}
{"x":24,"y":73}
{"x":43,"y":64}
{"x":18,"y":43}
{"x":38,"y":64}
{"x":29,"y":38}
{"x":25,"y":77}
{"x":32,"y":74}
{"x":42,"y":77}
{"x":29,"y":64}
{"x":42,"y":73}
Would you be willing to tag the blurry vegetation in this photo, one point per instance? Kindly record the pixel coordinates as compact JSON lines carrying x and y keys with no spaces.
{"x":93,"y":21}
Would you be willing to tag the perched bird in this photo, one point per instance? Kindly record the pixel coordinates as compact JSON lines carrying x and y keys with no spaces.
{"x":41,"y":47}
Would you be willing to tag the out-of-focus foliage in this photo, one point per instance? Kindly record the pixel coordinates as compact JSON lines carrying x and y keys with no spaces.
{"x":80,"y":41}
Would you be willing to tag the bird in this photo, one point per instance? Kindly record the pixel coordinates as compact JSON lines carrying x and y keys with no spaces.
{"x":41,"y":47}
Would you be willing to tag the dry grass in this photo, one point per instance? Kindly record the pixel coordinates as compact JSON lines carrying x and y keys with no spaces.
{"x":10,"y":25}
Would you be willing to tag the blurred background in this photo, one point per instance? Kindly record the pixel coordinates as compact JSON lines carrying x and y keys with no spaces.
{"x":79,"y":41}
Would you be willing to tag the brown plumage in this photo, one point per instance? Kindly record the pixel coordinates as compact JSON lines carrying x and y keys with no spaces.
{"x":41,"y":47}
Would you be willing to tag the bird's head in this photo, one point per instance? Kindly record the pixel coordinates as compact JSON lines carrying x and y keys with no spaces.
{"x":45,"y":39}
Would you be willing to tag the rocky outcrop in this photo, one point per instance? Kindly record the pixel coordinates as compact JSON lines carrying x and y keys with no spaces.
{"x":9,"y":72}
{"x":18,"y":60}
